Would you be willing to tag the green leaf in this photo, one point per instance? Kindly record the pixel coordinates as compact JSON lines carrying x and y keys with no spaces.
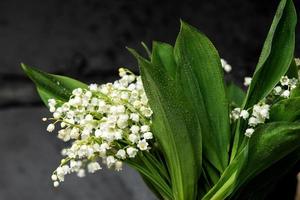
{"x":277,"y":53}
{"x":285,"y":110}
{"x":174,"y":127}
{"x":268,"y":178}
{"x":229,"y":179}
{"x":235,"y":94}
{"x":212,"y":173}
{"x":52,"y":86}
{"x":275,"y":59}
{"x":295,"y":92}
{"x":162,"y":55}
{"x":270,"y":143}
{"x":293,"y":70}
{"x":200,"y":73}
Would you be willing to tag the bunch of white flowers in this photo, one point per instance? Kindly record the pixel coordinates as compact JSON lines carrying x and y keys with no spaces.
{"x":285,"y":87}
{"x":106,"y":123}
{"x":260,"y":111}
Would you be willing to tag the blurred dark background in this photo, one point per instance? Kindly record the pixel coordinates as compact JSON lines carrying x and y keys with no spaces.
{"x":86,"y":39}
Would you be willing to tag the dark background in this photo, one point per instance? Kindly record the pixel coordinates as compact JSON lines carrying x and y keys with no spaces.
{"x":86,"y":39}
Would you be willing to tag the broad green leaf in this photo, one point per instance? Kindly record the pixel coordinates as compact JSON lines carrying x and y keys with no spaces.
{"x":200,"y":73}
{"x":293,"y":70}
{"x":269,"y":144}
{"x":212,"y":173}
{"x":169,"y":126}
{"x":229,"y":179}
{"x":52,"y":86}
{"x":162,"y":54}
{"x":285,"y":110}
{"x":44,"y":95}
{"x":295,"y":92}
{"x":267,"y":179}
{"x":210,"y":176}
{"x":235,"y":94}
{"x":277,"y":53}
{"x":274,"y":61}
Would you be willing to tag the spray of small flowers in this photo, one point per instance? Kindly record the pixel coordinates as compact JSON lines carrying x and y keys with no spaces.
{"x":259,"y":113}
{"x":105,"y":124}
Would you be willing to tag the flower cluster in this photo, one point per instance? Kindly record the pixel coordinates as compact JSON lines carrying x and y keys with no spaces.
{"x":260,"y":111}
{"x":285,"y":87}
{"x":106,"y":123}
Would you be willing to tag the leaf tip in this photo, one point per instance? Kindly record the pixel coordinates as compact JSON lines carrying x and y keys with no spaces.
{"x":24,"y":67}
{"x":133,"y":52}
{"x":184,"y":25}
{"x":146,"y":49}
{"x":136,"y":54}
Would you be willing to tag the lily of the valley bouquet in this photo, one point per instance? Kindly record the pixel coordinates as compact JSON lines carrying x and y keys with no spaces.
{"x":188,"y":133}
